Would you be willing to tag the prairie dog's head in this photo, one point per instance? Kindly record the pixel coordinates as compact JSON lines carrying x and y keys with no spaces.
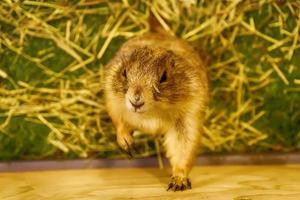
{"x":149,"y":80}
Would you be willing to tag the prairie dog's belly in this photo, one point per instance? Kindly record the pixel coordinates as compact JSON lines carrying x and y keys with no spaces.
{"x":146,"y":124}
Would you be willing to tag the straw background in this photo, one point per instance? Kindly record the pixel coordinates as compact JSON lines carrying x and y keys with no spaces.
{"x":52,"y":54}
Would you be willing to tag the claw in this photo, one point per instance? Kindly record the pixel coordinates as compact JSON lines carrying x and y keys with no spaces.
{"x":128,"y":146}
{"x":189,"y":184}
{"x":179,"y":184}
{"x":183,"y":187}
{"x":129,"y":154}
{"x":126,"y":152}
{"x":129,"y":149}
{"x":170,"y":186}
{"x":134,"y":148}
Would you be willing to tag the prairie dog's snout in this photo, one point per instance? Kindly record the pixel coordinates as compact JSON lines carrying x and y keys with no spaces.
{"x":135,"y":100}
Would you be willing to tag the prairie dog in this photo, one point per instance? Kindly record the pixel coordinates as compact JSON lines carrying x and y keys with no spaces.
{"x":158,"y":84}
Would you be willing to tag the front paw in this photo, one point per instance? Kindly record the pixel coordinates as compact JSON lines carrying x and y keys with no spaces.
{"x":179,"y":184}
{"x":126,"y":143}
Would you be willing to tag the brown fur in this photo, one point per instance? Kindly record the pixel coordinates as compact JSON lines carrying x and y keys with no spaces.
{"x":174,"y":107}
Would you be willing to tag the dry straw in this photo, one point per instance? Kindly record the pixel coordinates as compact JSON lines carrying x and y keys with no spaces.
{"x":73,"y":109}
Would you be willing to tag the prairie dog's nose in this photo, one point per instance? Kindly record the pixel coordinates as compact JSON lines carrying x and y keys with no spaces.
{"x":137,"y":97}
{"x":137,"y":100}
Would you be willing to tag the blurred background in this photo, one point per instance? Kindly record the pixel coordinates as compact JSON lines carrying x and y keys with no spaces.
{"x":52,"y":55}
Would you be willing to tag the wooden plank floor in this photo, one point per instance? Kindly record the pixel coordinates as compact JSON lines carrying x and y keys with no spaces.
{"x":209,"y":182}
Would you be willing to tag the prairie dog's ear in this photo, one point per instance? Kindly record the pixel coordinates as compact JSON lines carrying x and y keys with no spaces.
{"x":157,"y":24}
{"x":154,"y":24}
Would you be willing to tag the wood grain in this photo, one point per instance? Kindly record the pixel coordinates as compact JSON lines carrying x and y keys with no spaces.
{"x":209,"y":182}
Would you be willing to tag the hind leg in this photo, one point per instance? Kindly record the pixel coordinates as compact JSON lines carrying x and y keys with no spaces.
{"x":181,"y":145}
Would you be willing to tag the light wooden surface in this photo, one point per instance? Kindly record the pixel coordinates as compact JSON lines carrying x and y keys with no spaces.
{"x":209,"y":182}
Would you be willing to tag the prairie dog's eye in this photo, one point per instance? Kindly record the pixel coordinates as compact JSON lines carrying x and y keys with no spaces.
{"x":124,"y":74}
{"x":163,"y":77}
